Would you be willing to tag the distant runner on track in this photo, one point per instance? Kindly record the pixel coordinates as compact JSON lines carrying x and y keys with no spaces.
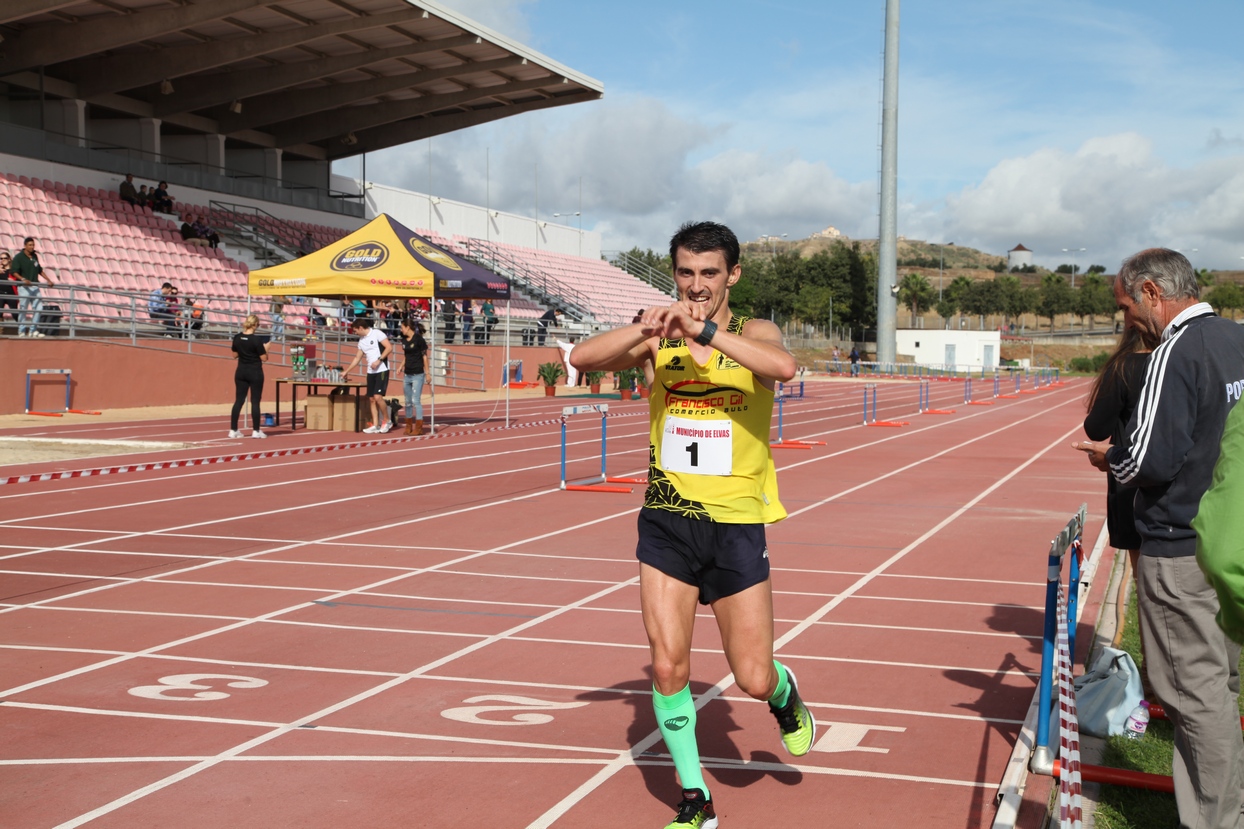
{"x":711,"y":489}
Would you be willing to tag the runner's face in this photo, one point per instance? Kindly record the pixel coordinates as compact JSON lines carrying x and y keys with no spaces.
{"x":704,"y":278}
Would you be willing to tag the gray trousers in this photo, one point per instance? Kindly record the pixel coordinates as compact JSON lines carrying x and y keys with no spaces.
{"x":1194,"y":670}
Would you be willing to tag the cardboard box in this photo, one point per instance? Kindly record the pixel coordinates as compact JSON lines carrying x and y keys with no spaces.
{"x":344,"y":406}
{"x":319,"y":413}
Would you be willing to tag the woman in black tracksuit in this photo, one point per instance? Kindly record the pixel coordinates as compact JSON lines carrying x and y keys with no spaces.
{"x":252,"y":351}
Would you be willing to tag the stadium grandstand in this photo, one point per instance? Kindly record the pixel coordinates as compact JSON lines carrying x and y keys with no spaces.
{"x":242,"y":107}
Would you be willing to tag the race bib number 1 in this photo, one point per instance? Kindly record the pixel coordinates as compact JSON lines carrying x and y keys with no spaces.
{"x":697,"y":447}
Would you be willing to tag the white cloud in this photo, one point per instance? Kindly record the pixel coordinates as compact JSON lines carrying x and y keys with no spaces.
{"x":1113,"y":196}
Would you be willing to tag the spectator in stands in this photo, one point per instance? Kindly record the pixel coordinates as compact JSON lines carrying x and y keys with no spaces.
{"x":468,"y":321}
{"x":548,"y":318}
{"x":1176,"y":432}
{"x":188,"y":234}
{"x":127,"y":190}
{"x":29,"y":272}
{"x":144,"y":198}
{"x":195,"y":315}
{"x":639,"y":316}
{"x":157,"y":307}
{"x":315,"y":318}
{"x":490,"y":320}
{"x":203,"y":231}
{"x":450,"y":315}
{"x":307,"y":244}
{"x":252,"y":351}
{"x":161,"y":201}
{"x":8,"y":286}
{"x":174,"y":311}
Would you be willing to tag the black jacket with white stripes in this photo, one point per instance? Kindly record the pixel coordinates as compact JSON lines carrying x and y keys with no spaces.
{"x":1194,"y":378}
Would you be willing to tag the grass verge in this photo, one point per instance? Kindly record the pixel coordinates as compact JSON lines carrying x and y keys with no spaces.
{"x":1120,"y":807}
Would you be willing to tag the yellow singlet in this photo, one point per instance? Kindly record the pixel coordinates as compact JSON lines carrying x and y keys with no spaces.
{"x":709,"y":453}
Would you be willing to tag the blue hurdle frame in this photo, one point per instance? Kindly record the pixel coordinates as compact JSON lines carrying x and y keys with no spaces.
{"x":1069,"y":539}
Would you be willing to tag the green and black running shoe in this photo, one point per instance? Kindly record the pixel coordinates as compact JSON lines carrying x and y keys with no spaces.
{"x":795,"y":720}
{"x":694,"y":812}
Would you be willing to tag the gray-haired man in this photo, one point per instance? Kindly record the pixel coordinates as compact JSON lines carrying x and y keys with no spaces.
{"x":1176,"y":431}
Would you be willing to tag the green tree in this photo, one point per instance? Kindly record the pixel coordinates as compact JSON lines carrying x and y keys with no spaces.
{"x":1013,"y":298}
{"x":917,"y":294}
{"x":1226,"y":297}
{"x":815,"y":304}
{"x":1094,"y":296}
{"x":1055,"y":297}
{"x":1204,"y":278}
{"x":956,"y":292}
{"x":982,"y":299}
{"x":634,"y":260}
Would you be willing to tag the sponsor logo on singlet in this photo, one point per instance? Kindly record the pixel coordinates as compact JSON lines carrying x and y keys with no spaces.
{"x":690,"y":398}
{"x":361,"y":257}
{"x":675,"y":364}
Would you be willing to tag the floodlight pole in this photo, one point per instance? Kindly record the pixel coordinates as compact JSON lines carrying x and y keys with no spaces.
{"x":887,"y":242}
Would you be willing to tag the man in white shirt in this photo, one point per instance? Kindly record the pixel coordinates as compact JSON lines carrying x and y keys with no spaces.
{"x":374,"y":349}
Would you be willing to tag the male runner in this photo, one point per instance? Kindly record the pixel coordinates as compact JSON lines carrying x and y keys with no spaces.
{"x":374,"y":350}
{"x":712,"y":488}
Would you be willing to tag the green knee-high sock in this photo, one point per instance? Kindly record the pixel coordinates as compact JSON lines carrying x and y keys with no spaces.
{"x":782,"y":692}
{"x":676,"y":719}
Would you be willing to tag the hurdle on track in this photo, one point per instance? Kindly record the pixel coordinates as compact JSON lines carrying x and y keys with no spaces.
{"x":781,"y":443}
{"x":598,"y":483}
{"x":924,"y":401}
{"x":1058,"y":646}
{"x":32,"y":373}
{"x":967,"y":394}
{"x":787,"y":391}
{"x":871,"y":390}
{"x":1018,"y":382}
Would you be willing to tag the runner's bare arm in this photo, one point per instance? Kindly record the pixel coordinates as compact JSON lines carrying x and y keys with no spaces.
{"x":621,"y":348}
{"x":759,"y":349}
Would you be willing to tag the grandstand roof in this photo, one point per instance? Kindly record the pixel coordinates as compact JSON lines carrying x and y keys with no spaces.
{"x":321,"y":79}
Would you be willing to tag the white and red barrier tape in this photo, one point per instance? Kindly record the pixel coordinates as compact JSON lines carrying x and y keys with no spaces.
{"x":39,"y":477}
{"x":1069,"y":814}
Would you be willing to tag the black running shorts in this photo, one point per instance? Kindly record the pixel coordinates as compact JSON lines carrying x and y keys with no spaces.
{"x":378,"y":383}
{"x":720,"y":559}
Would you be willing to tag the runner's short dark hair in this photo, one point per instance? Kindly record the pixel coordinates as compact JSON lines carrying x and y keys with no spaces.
{"x":702,"y":237}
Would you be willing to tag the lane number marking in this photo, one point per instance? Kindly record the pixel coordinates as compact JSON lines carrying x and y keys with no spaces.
{"x":174,"y":687}
{"x":521,"y":710}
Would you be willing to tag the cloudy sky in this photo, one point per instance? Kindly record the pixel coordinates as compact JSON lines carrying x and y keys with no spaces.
{"x":1109,"y":125}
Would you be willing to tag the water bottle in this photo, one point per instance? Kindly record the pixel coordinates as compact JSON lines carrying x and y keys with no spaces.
{"x":1137,"y":721}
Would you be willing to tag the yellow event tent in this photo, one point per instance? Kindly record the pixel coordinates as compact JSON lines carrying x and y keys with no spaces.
{"x":383,"y":258}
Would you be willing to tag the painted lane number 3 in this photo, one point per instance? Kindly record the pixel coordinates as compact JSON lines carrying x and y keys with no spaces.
{"x":192,"y":687}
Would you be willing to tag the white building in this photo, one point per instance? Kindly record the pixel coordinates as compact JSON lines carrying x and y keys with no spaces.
{"x":1018,"y":257}
{"x":946,"y":348}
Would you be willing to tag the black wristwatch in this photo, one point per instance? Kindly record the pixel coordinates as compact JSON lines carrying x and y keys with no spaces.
{"x":706,"y":335}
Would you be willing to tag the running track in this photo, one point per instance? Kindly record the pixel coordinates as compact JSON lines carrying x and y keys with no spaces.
{"x":430,"y":633}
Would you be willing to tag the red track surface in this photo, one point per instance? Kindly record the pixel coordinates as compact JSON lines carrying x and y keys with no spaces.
{"x":430,"y":633}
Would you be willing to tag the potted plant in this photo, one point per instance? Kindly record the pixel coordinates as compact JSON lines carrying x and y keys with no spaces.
{"x":548,"y":374}
{"x":593,"y":380}
{"x":641,"y":384}
{"x":625,"y":380}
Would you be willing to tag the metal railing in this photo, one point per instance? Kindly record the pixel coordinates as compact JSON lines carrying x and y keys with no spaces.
{"x":119,"y":159}
{"x":125,"y":317}
{"x":642,"y":271}
{"x":537,"y":284}
{"x":249,"y":227}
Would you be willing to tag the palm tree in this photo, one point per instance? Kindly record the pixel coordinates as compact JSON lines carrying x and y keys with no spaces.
{"x":917,"y":294}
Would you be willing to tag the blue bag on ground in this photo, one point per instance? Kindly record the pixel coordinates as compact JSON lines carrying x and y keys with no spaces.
{"x":1107,"y":693}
